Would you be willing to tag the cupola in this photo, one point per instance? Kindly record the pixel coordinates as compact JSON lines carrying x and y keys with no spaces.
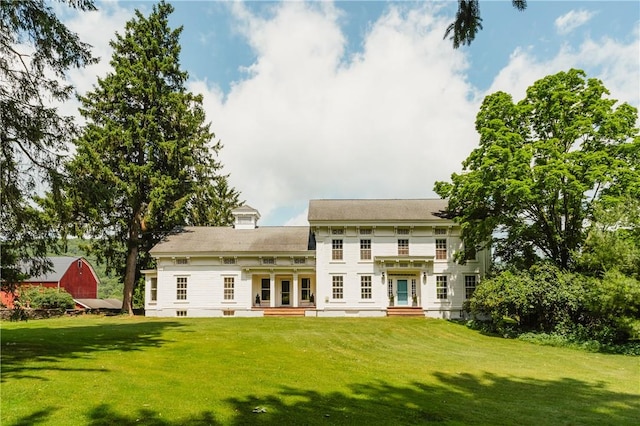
{"x":245,"y":217}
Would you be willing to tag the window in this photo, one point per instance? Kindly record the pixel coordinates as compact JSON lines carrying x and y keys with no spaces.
{"x":336,"y":250}
{"x":470,"y":254}
{"x":181,"y":288}
{"x":182,"y":261}
{"x":365,"y":287}
{"x":390,"y":288}
{"x":365,"y":231}
{"x":470,"y":282}
{"x":403,"y":247}
{"x":154,"y":289}
{"x":228,"y":288}
{"x":440,"y":231}
{"x":441,"y":287}
{"x":181,"y":313}
{"x":299,"y":260}
{"x":365,"y":249}
{"x":338,"y":287}
{"x":268,"y":260}
{"x":441,"y":249}
{"x":265,"y":289}
{"x":306,"y":289}
{"x":229,"y":260}
{"x":403,"y":231}
{"x":413,"y":288}
{"x":337,"y":231}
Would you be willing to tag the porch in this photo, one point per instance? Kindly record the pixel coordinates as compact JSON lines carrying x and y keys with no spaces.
{"x":283,"y":289}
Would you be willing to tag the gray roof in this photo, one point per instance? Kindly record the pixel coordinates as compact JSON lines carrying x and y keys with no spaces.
{"x":100,"y":303}
{"x":376,"y":210}
{"x":60,"y":265}
{"x":216,"y":239}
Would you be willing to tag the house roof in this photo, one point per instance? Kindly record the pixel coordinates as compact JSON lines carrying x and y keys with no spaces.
{"x":204,"y":239}
{"x":59,"y":266}
{"x":376,"y":210}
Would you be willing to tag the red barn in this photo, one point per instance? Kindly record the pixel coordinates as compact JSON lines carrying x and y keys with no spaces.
{"x":74,"y":274}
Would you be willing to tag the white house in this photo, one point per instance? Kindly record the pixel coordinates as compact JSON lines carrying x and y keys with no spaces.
{"x":356,"y":258}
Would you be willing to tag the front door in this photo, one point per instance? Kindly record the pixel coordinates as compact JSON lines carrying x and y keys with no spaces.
{"x":402,"y":293}
{"x":286,"y":291}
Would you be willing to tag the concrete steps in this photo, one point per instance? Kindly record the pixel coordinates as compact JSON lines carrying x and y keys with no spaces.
{"x":284,"y":312}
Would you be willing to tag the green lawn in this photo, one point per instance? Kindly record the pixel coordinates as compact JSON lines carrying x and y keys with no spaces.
{"x":301,"y":371}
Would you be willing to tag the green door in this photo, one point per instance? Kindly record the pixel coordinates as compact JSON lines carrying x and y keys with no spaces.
{"x":403,"y":297}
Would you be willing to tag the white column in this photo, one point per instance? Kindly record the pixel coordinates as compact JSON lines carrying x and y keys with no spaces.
{"x":295,"y":289}
{"x":272,"y":290}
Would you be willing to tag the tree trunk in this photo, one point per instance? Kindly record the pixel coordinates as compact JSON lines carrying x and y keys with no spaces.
{"x":131,"y":265}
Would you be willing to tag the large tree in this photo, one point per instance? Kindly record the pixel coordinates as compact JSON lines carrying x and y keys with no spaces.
{"x":36,"y":50}
{"x":145,"y":160}
{"x":468,"y":21}
{"x":530,"y":187}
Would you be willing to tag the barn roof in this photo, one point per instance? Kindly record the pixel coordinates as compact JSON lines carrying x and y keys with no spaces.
{"x":384,"y":210}
{"x":204,"y":239}
{"x":59,"y":266}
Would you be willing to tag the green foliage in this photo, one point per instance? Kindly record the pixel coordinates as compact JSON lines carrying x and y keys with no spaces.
{"x":36,"y":51}
{"x":144,"y":163}
{"x":542,"y":164}
{"x":46,"y":298}
{"x":468,"y":21}
{"x":547,"y":300}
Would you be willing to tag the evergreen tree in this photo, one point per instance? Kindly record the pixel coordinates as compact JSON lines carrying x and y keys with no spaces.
{"x":36,"y":50}
{"x":145,"y":159}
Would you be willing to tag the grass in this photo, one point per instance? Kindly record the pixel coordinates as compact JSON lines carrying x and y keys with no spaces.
{"x":301,"y":371}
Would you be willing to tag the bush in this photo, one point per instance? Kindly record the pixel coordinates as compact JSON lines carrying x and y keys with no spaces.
{"x":47,"y":298}
{"x":567,"y":306}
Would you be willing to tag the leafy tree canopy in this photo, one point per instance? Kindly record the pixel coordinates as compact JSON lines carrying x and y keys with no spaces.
{"x":36,"y":50}
{"x":543,"y":163}
{"x":145,"y":162}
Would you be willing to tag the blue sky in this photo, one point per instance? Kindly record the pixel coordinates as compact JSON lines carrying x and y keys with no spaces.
{"x":365,"y":99}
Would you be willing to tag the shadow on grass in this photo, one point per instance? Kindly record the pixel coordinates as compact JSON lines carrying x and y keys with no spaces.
{"x":24,"y":348}
{"x":448,"y":398}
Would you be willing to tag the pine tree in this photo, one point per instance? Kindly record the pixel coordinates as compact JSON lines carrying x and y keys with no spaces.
{"x":36,"y":50}
{"x":145,"y":157}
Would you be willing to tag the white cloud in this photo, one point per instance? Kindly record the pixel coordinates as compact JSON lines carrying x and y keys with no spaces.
{"x":386,"y":123}
{"x":572,"y":20}
{"x":614,"y":62}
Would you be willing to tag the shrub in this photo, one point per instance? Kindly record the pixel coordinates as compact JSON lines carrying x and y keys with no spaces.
{"x":47,"y":298}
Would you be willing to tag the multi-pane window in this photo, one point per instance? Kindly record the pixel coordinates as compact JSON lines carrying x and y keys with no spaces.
{"x":306,"y":288}
{"x":403,"y":231}
{"x":390,"y":288}
{"x":365,"y":249}
{"x":181,"y":288}
{"x":414,"y":288}
{"x":440,"y":231}
{"x":268,"y":261}
{"x":365,"y":231}
{"x":265,"y":289}
{"x":470,"y":282}
{"x":299,"y":260}
{"x":229,"y":288}
{"x":470,"y":253}
{"x":441,"y":248}
{"x":336,"y":249}
{"x":182,"y":261}
{"x":181,"y":313}
{"x":154,"y":289}
{"x":403,"y":247}
{"x":365,"y":287}
{"x":441,"y":287}
{"x":229,"y":260}
{"x":338,"y":287}
{"x":337,"y":231}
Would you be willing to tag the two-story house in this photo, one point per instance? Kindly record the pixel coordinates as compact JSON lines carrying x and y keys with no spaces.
{"x":356,"y":258}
